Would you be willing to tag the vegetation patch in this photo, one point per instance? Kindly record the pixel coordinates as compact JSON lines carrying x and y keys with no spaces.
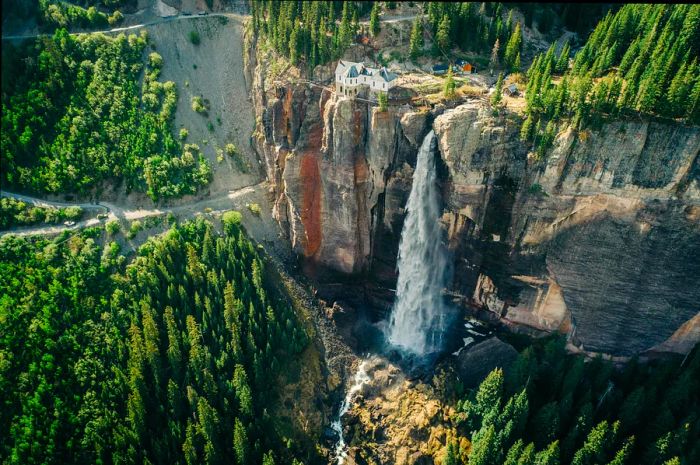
{"x":552,"y":407}
{"x":181,"y":352}
{"x":194,"y":37}
{"x":18,"y":213}
{"x":74,"y":115}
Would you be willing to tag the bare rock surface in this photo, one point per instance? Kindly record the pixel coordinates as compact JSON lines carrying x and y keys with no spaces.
{"x":480,"y":359}
{"x":599,"y":240}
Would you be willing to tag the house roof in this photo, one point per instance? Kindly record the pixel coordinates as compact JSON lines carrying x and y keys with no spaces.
{"x":512,"y":88}
{"x":351,"y":69}
{"x":387,"y":75}
{"x":351,"y":72}
{"x":440,"y":67}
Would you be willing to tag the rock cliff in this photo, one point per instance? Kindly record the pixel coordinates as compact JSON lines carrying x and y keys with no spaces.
{"x":601,"y":240}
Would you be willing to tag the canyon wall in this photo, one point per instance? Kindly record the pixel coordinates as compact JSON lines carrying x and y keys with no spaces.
{"x":600,"y":240}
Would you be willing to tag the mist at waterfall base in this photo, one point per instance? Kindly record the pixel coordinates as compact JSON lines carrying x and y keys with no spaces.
{"x":420,"y":317}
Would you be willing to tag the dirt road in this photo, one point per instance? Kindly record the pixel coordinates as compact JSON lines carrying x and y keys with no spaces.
{"x":235,"y":199}
{"x":234,"y":16}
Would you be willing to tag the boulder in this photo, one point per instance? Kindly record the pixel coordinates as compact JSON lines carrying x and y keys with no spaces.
{"x":474,"y":363}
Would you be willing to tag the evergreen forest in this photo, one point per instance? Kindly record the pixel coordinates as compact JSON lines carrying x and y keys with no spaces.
{"x":640,"y":59}
{"x":174,"y":358}
{"x":552,"y":408}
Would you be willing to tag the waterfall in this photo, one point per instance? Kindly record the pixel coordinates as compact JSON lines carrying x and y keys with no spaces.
{"x":418,"y":317}
{"x":360,"y":379}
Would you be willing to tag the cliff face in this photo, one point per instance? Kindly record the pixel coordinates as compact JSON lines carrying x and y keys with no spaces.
{"x":334,"y":163}
{"x":601,"y":241}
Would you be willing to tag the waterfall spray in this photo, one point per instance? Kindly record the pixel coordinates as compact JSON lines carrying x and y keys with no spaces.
{"x":418,"y":318}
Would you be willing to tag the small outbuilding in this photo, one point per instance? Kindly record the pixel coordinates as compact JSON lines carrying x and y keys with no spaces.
{"x":511,"y":90}
{"x":439,"y":69}
{"x":465,"y":67}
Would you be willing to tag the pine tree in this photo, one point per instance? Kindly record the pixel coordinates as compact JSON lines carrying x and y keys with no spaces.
{"x":243,"y":392}
{"x":497,"y":95}
{"x":514,"y":453}
{"x":623,"y":454}
{"x":442,"y":38}
{"x":294,"y":45}
{"x":563,"y":61}
{"x":240,"y":443}
{"x":597,"y":444}
{"x":416,"y":42}
{"x":527,"y":129}
{"x":546,"y":422}
{"x":513,"y":46}
{"x":345,"y":34}
{"x":693,"y":106}
{"x":451,"y":456}
{"x":485,"y":449}
{"x":549,"y":456}
{"x":268,"y":459}
{"x":527,"y":457}
{"x":374,"y":20}
{"x":189,"y":447}
{"x":516,"y":64}
{"x":382,"y":99}
{"x":449,"y":89}
{"x":493,"y":62}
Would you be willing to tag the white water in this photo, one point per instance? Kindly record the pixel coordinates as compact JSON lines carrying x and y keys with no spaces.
{"x":418,"y":317}
{"x":359,"y":380}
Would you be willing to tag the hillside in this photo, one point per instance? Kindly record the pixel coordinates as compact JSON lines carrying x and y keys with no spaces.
{"x":352,"y":233}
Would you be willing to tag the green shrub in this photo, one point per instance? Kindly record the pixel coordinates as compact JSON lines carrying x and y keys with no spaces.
{"x":73,"y":213}
{"x":112,"y":227}
{"x":254,"y":208}
{"x":155,"y":60}
{"x":184,"y":133}
{"x":194,"y":37}
{"x":198,"y":105}
{"x":383,"y":101}
{"x":231,"y":220}
{"x":536,"y":189}
{"x":115,"y":18}
{"x":134,"y":229}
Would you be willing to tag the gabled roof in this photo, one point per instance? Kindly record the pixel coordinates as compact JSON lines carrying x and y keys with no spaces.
{"x":387,"y":75}
{"x":350,"y":69}
{"x":512,"y":88}
{"x":351,"y":72}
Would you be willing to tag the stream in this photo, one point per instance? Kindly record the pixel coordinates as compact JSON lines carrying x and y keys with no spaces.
{"x":358,"y":381}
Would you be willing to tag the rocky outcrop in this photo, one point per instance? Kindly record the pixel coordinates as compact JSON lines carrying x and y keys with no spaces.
{"x":601,"y":240}
{"x":475,"y":364}
{"x":334,"y":164}
{"x":398,"y":421}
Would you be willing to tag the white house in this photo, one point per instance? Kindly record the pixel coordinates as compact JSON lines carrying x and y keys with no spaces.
{"x":351,"y":78}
